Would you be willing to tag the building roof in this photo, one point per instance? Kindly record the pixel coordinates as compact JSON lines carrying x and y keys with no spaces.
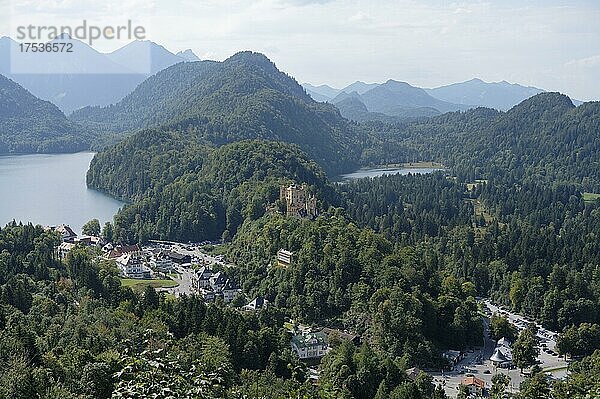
{"x":176,"y":255}
{"x":339,"y":333}
{"x":498,"y":356}
{"x":309,"y":339}
{"x":203,"y":270}
{"x":478,"y":382}
{"x":413,"y":373}
{"x":123,"y":249}
{"x":65,"y":230}
{"x":219,"y":278}
{"x":504,"y":342}
{"x":230,"y":285}
{"x":66,"y":246}
{"x":257,"y":303}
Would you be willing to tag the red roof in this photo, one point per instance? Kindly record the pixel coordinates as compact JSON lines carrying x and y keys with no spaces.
{"x":474,"y":381}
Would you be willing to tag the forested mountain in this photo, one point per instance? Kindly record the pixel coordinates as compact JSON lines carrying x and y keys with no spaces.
{"x":206,"y":193}
{"x":544,"y":138}
{"x":498,"y":95}
{"x":29,"y":125}
{"x":244,"y":97}
{"x":83,"y":77}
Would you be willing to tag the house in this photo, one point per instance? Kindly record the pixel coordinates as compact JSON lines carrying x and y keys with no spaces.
{"x":213,"y":285}
{"x":502,"y":357}
{"x":64,"y":248}
{"x":476,"y":385}
{"x":339,"y":335}
{"x":132,"y":266}
{"x":121,"y":250}
{"x":67,"y":234}
{"x":310,"y":345}
{"x":89,"y":241}
{"x":217,"y":281}
{"x":256,"y":304}
{"x":284,"y":258}
{"x":298,"y":202}
{"x":230,"y":290}
{"x":161,"y":263}
{"x":178,"y":258}
{"x":201,"y":278}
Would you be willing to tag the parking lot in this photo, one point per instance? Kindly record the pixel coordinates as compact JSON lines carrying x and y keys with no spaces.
{"x":477,"y":363}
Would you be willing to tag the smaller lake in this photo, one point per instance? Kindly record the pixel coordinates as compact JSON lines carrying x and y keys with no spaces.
{"x":382,"y":171}
{"x":50,"y":190}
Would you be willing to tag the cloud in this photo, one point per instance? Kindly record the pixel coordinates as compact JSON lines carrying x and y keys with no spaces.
{"x":588,"y":62}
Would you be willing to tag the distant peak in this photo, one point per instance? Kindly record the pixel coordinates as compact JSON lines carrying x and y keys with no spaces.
{"x":188,"y":55}
{"x":250,"y":57}
{"x":63,"y":36}
{"x":392,"y":82}
{"x":476,"y":80}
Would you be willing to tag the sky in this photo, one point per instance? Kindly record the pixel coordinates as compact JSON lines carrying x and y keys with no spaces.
{"x":551,"y":44}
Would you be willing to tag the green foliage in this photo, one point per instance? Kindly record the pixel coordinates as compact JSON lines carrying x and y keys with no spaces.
{"x":340,"y":270}
{"x":195,"y":203}
{"x":543,"y":139}
{"x":525,"y":348}
{"x":580,"y":340}
{"x":91,"y":228}
{"x":29,"y":125}
{"x":362,"y":373}
{"x":244,"y":97}
{"x":500,"y":327}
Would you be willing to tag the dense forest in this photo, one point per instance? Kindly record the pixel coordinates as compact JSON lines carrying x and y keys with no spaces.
{"x":30,"y":125}
{"x":206,"y":193}
{"x":244,"y":97}
{"x":69,"y":330}
{"x":398,"y":260}
{"x":545,"y":138}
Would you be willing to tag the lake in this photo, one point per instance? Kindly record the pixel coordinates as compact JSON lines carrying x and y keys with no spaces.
{"x":381,"y":171}
{"x":50,"y":190}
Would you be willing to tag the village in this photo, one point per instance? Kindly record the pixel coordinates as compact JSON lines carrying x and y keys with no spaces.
{"x":187,"y":269}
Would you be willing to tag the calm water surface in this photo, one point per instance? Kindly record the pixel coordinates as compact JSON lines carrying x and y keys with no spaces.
{"x":50,"y":190}
{"x":374,"y":172}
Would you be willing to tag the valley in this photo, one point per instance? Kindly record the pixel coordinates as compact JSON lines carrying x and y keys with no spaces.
{"x":242,"y":234}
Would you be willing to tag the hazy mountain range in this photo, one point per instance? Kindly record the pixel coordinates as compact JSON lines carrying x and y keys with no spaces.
{"x":85,"y":76}
{"x":368,"y":101}
{"x":29,"y":125}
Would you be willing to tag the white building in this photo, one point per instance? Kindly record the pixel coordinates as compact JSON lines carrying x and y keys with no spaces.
{"x":310,"y":345}
{"x":132,"y":266}
{"x":161,"y":263}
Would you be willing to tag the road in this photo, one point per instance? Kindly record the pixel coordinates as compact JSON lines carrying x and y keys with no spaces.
{"x":185,"y":274}
{"x":183,"y":277}
{"x":478,"y":363}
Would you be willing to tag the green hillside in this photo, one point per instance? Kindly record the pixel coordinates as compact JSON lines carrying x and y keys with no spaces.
{"x":30,"y":125}
{"x":244,"y":97}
